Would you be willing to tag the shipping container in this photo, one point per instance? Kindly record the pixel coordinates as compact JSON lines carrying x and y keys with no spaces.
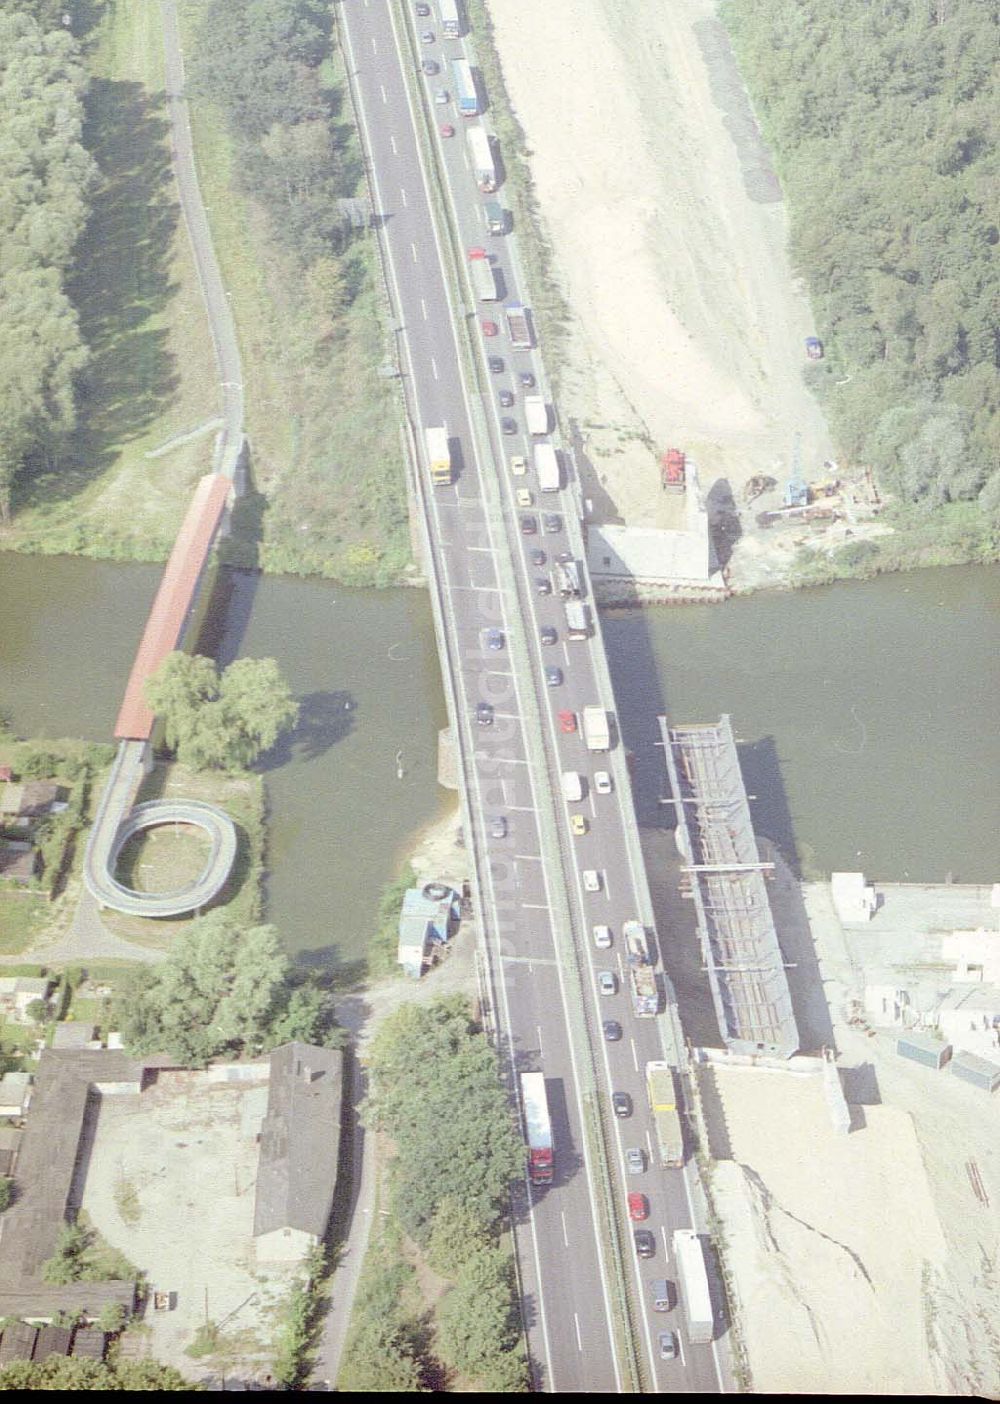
{"x":922,"y":1048}
{"x":978,"y":1071}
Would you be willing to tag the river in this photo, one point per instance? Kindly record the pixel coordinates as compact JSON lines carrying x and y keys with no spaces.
{"x":869,"y":709}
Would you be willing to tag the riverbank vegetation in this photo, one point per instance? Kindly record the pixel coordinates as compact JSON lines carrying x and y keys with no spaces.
{"x":884,"y":125}
{"x":45,"y":179}
{"x":283,"y":179}
{"x":224,"y":989}
{"x":437,"y":1305}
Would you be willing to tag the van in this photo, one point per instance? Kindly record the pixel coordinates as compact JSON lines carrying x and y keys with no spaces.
{"x":572,"y":786}
{"x":663,"y":1295}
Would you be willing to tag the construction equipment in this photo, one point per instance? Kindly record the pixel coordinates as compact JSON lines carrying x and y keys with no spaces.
{"x":672,"y":470}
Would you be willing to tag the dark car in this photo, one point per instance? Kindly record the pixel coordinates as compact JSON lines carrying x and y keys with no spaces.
{"x":506,"y":398}
{"x":527,"y":380}
{"x":622,"y":1103}
{"x":553,"y":677}
{"x":612,"y":1030}
{"x":509,"y":426}
{"x":537,"y":558}
{"x":495,"y":364}
{"x":494,"y":639}
{"x":427,"y":36}
{"x":645,"y":1243}
{"x":552,"y":522}
{"x":543,"y":585}
{"x":423,"y":11}
{"x":430,"y":67}
{"x":547,"y":634}
{"x":529,"y":525}
{"x":484,"y":714}
{"x":498,"y":827}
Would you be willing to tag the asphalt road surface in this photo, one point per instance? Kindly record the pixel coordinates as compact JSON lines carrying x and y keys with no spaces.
{"x":490,"y":582}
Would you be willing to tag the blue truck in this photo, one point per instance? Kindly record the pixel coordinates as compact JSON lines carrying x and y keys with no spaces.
{"x":465,"y":87}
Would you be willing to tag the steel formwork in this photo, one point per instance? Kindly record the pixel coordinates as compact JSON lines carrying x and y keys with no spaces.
{"x":739,"y":942}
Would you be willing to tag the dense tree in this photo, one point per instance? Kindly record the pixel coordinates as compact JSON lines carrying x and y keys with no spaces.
{"x":68,"y":1372}
{"x":221,"y":990}
{"x":223,"y":722}
{"x":885,"y":126}
{"x":478,"y":1331}
{"x":436,"y":1091}
{"x":45,"y":176}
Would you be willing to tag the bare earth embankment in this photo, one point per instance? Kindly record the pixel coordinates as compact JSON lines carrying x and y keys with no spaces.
{"x":670,"y":238}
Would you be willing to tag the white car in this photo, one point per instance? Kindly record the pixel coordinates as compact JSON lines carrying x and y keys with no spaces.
{"x":602,"y":782}
{"x":524,"y":498}
{"x":519,"y":465}
{"x":591,"y":880}
{"x":602,"y":938}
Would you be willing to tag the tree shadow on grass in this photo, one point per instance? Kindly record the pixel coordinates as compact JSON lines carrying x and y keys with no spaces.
{"x":120,"y":283}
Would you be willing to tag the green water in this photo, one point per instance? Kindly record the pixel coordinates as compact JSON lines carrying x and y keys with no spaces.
{"x":869,"y":711}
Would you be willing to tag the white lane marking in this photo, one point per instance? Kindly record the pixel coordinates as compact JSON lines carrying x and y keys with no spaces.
{"x":562,"y":1215}
{"x":649,"y":1142}
{"x":535,"y":906}
{"x":666,"y":1248}
{"x":528,"y":858}
{"x":680,"y":1347}
{"x":374,"y":45}
{"x":566,"y":652}
{"x":403,"y":193}
{"x":423,"y":308}
{"x":635,"y":1055}
{"x":413,"y":250}
{"x":593,"y":806}
{"x":541,"y":1048}
{"x":579,"y":1342}
{"x":434,"y":368}
{"x":520,"y":808}
{"x":392,"y":143}
{"x":382,"y":91}
{"x":607,"y":887}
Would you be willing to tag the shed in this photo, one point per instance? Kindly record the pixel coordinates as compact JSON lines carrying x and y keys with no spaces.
{"x":15,"y":1093}
{"x":53,"y":1340}
{"x":978,"y":1071}
{"x":18,"y":991}
{"x":425,"y":919}
{"x":18,"y":862}
{"x":17,"y":1342}
{"x":30,"y":799}
{"x":88,"y":1342}
{"x":922,"y":1048}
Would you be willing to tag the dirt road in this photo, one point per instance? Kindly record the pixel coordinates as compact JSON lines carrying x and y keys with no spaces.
{"x":670,"y":235}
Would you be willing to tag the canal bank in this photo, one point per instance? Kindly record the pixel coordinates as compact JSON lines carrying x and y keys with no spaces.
{"x":867,"y":709}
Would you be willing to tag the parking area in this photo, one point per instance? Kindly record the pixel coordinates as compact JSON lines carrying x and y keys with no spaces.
{"x":170,"y":1182}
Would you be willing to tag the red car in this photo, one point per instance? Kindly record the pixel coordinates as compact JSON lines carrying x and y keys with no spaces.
{"x":447,"y":130}
{"x":477,"y":253}
{"x":567,"y":723}
{"x":638,"y":1207}
{"x":490,"y":328}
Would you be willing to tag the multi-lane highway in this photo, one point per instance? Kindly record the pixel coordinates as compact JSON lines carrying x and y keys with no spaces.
{"x":537,"y":918}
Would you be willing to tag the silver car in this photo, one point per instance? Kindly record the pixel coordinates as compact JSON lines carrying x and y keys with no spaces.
{"x":635,"y":1160}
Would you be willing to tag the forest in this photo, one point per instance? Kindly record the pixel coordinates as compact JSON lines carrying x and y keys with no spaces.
{"x":883,"y":119}
{"x":45,"y":177}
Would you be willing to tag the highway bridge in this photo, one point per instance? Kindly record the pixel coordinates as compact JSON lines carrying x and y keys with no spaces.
{"x":588,"y":1305}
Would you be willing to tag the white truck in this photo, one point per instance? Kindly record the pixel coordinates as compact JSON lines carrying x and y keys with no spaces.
{"x":567,"y":577}
{"x":596,"y":731}
{"x":577,"y":620}
{"x":572,"y":786}
{"x":481,"y":154}
{"x":636,"y":945}
{"x":483,"y":279}
{"x":547,"y":468}
{"x":538,"y":1127}
{"x":691,"y":1271}
{"x":451,"y":20}
{"x":536,"y":413}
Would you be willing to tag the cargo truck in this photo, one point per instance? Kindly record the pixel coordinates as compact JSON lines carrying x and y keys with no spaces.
{"x":538,"y":1127}
{"x":547,"y":468}
{"x":496,"y":219}
{"x":636,"y":945}
{"x":645,"y":994}
{"x":483,"y":279}
{"x":596,"y":731}
{"x":666,"y":1116}
{"x":518,"y":327}
{"x":451,"y":20}
{"x":673,"y":470}
{"x":465,"y":87}
{"x":481,"y":153}
{"x":438,"y":456}
{"x":577,"y":620}
{"x":536,"y":413}
{"x":693,"y":1278}
{"x":567,"y":574}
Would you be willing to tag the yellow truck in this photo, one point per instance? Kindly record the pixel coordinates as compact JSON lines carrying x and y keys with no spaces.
{"x":661,"y":1089}
{"x":438,"y":456}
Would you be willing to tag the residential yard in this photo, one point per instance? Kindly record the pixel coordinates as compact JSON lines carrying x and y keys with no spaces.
{"x":170,"y":1182}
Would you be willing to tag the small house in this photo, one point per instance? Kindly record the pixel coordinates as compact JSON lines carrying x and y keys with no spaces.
{"x":30,"y":799}
{"x":425,"y":920}
{"x":52,"y":1340}
{"x":15,"y":1094}
{"x":17,"y":992}
{"x":89,"y":1343}
{"x":17,"y":1342}
{"x":18,"y":861}
{"x":74,"y":1034}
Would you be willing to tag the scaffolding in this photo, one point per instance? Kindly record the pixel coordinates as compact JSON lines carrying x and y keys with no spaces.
{"x":739,"y":943}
